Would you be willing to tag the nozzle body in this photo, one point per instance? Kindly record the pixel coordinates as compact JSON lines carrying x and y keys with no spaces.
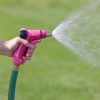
{"x":29,"y":35}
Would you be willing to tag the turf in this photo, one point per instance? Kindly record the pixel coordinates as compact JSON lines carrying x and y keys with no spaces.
{"x":54,"y":73}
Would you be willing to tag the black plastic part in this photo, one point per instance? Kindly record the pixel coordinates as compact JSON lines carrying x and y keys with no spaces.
{"x":23,"y":34}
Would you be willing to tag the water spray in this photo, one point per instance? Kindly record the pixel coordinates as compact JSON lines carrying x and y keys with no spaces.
{"x":20,"y":54}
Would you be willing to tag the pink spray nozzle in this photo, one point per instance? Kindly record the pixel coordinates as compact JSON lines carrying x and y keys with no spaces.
{"x":29,"y":35}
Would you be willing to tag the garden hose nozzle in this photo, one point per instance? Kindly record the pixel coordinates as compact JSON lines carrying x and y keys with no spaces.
{"x":29,"y":35}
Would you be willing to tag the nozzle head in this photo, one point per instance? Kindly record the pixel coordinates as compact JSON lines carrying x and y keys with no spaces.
{"x":49,"y":34}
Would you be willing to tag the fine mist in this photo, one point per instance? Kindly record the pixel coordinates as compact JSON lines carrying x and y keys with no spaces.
{"x":81,"y":32}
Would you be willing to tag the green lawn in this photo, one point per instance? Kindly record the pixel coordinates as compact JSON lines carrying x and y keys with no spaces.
{"x":54,"y":73}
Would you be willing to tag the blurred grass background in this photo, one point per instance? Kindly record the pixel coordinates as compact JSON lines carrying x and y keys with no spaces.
{"x":54,"y":73}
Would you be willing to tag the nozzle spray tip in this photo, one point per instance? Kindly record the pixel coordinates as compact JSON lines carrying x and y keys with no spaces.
{"x":49,"y":34}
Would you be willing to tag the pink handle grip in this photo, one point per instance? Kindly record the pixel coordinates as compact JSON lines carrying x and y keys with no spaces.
{"x":19,"y":54}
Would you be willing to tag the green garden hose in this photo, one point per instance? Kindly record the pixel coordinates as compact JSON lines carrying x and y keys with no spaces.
{"x":12,"y":85}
